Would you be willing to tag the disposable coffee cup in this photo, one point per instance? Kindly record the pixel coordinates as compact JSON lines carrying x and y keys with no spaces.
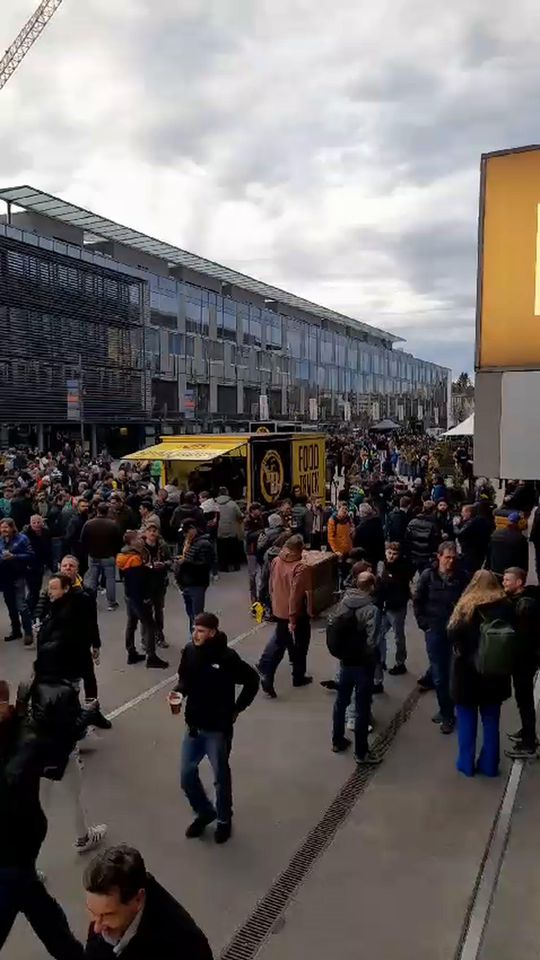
{"x":175,"y":702}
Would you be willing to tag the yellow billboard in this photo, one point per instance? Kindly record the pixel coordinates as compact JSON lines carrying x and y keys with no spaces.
{"x":508,"y":302}
{"x":309,"y":465}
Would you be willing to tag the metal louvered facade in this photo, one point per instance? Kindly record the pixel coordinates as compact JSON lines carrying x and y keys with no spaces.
{"x":59,"y":318}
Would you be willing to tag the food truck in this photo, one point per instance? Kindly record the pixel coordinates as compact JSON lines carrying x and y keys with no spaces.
{"x":260,"y":467}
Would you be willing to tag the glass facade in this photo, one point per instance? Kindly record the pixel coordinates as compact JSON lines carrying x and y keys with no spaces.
{"x":145,"y":339}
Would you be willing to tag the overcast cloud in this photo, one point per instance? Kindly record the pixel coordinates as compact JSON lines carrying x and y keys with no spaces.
{"x":331,"y":148}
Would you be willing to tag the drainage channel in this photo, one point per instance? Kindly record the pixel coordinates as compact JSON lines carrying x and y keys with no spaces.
{"x":250,"y":937}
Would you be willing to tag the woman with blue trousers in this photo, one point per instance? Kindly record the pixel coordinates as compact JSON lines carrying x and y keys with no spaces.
{"x":473,"y":693}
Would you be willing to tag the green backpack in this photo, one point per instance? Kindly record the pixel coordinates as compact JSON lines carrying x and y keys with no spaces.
{"x":496,"y":648}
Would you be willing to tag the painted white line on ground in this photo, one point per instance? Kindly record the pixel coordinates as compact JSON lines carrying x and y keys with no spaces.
{"x":146,"y":694}
{"x":487,"y":886}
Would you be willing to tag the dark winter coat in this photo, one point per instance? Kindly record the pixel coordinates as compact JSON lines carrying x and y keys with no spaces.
{"x":396,"y":525}
{"x":194,"y":570}
{"x":473,"y":537}
{"x":14,"y":567}
{"x":369,"y":537}
{"x":253,"y":527}
{"x":526,"y":607}
{"x":422,"y":540}
{"x":362,"y":646}
{"x":468,"y":687}
{"x":435,"y":598}
{"x":101,"y":538}
{"x":41,"y":548}
{"x":63,"y":643}
{"x":21,"y":510}
{"x":395,"y":584}
{"x":507,"y":548}
{"x":208,"y":676}
{"x":183,"y":512}
{"x":166,"y":932}
{"x":23,"y":824}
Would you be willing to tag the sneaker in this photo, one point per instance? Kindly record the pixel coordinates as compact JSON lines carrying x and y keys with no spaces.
{"x":157,"y":662}
{"x":515,"y":737}
{"x":437,"y":717}
{"x":302,"y":681}
{"x":223,"y":832}
{"x":447,"y":727}
{"x":378,"y":688}
{"x":398,"y":671}
{"x":135,"y":657}
{"x":369,"y":760}
{"x":29,"y":640}
{"x":425,"y":684}
{"x":93,"y":838}
{"x":267,"y":686}
{"x":162,"y":643}
{"x":113,"y":606}
{"x":13,"y":636}
{"x":199,"y":825}
{"x":521,"y":752}
{"x":341,"y":745}
{"x":100,"y":721}
{"x":329,"y":684}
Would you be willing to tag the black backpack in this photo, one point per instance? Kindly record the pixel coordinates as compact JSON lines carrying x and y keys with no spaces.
{"x":341,"y":628}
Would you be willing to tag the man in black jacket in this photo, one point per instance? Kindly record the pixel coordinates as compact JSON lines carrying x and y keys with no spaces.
{"x":526,"y":603}
{"x":101,"y":539}
{"x":356,"y":624}
{"x":437,"y":592}
{"x":473,"y":536}
{"x":397,"y":521}
{"x":193,"y":569}
{"x":395,"y":592}
{"x":508,"y":548}
{"x":208,"y":673}
{"x":369,"y":534}
{"x":422,"y":538}
{"x":133,"y":915}
{"x":23,"y":827}
{"x":40,"y":541}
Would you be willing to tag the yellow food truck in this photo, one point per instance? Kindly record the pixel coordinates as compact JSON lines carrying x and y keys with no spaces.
{"x":259,"y":467}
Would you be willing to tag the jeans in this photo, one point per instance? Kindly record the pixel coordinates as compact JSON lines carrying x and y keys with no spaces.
{"x":217,"y":747}
{"x":282,"y":640}
{"x":22,"y":892}
{"x":394,"y":620}
{"x":523,"y":678}
{"x":17,"y":605}
{"x":439,"y":651}
{"x":140,"y":613}
{"x":98,"y":567}
{"x":193,"y":602}
{"x":467,"y":724}
{"x":254,"y":573}
{"x":359,"y":680}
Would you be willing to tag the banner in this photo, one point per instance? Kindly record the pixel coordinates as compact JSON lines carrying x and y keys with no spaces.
{"x":73,"y":389}
{"x":309,"y":466}
{"x":270,"y":469}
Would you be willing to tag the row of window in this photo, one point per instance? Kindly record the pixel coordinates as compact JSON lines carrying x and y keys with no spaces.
{"x":75,"y":277}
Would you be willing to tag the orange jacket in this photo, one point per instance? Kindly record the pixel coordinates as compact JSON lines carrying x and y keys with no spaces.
{"x":340,"y":534}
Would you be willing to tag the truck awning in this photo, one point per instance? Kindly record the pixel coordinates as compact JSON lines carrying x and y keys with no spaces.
{"x":192,"y":448}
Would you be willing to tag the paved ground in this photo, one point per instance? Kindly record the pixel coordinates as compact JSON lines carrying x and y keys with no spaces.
{"x":395,"y":881}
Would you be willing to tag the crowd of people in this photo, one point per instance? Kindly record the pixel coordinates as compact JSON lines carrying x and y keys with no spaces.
{"x":400,"y":532}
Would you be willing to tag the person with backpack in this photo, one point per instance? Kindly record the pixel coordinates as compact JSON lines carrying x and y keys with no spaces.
{"x":352,"y":635}
{"x":481,"y":630}
{"x":526,"y":604}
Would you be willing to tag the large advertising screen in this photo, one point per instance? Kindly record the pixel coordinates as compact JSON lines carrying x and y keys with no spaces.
{"x":508,"y":302}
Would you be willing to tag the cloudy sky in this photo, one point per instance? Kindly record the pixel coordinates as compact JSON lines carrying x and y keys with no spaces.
{"x":329,"y":147}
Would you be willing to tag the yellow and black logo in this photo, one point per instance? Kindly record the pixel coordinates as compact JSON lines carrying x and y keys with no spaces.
{"x":262,"y":430}
{"x":272,"y":476}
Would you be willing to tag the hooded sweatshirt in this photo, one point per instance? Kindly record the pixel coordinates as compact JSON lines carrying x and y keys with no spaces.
{"x":208,"y":676}
{"x":361,"y":650}
{"x":289,"y":581}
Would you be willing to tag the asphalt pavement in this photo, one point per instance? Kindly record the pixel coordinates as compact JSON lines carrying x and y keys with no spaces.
{"x":393,"y":878}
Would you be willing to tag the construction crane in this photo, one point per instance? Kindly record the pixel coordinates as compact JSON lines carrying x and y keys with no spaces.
{"x":26,"y":39}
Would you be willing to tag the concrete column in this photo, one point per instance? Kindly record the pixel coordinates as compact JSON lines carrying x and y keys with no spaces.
{"x":93,"y":440}
{"x":40,"y":437}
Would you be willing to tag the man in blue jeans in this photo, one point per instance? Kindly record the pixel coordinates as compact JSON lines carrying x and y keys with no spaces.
{"x":437,"y":592}
{"x":16,"y":555}
{"x":101,"y":539}
{"x":208,"y":675}
{"x":353,"y":636}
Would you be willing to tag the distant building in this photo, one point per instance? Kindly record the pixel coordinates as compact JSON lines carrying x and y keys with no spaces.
{"x":143,"y":338}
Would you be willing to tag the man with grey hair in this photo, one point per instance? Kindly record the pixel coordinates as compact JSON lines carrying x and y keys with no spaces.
{"x":288,"y":593}
{"x":369,"y":535}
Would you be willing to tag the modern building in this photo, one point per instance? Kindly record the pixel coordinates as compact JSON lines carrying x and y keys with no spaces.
{"x":136,"y":337}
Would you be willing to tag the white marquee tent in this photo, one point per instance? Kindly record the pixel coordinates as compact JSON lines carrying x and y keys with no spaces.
{"x":464,"y":429}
